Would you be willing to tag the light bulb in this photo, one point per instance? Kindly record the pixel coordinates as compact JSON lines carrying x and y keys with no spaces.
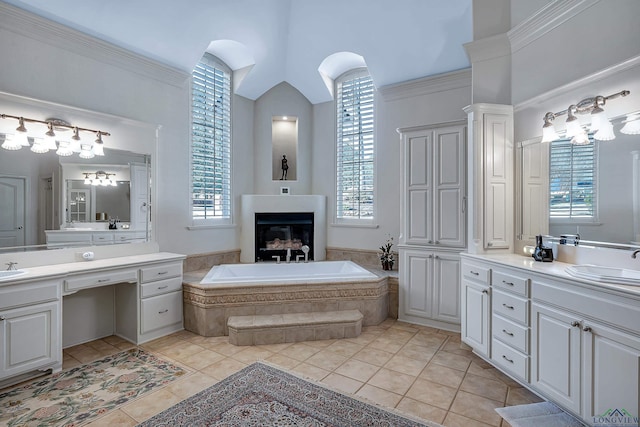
{"x":598,"y":119}
{"x":98,"y":146}
{"x":39,"y":146}
{"x":549,"y":133}
{"x":580,"y":139}
{"x":632,"y":126}
{"x":573,"y":126}
{"x":605,"y":133}
{"x":64,"y":149}
{"x":10,"y":143}
{"x":86,"y":152}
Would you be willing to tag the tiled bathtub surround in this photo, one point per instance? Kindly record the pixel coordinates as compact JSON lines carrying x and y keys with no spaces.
{"x":208,"y":260}
{"x":208,"y":308}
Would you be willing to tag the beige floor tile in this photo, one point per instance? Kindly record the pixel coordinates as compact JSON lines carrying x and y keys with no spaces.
{"x":202,"y":359}
{"x":252,"y":354}
{"x":181,"y":350}
{"x":69,"y":362}
{"x":434,"y":394}
{"x":115,"y":340}
{"x":442,"y":375}
{"x":226,"y":348}
{"x":207,"y":342}
{"x":451,"y":360}
{"x":222,"y":369}
{"x":283,"y":361}
{"x":86,"y":355}
{"x":184,"y":335}
{"x":344,"y":348}
{"x":455,"y":420}
{"x":373,"y":356}
{"x":379,"y":396}
{"x":326,"y":360}
{"x":150,"y":405}
{"x":427,"y":339}
{"x":476,"y":407}
{"x":491,"y":389}
{"x":393,"y":381}
{"x":357,"y":369}
{"x":103,"y":347}
{"x":275,"y":348}
{"x":364,"y":338}
{"x":342,"y":383}
{"x":521,"y":396}
{"x":162,"y":343}
{"x":299,"y":351}
{"x":421,"y":410}
{"x":416,"y":352}
{"x":311,"y":371}
{"x":386,"y":344}
{"x":190,"y":385}
{"x":403,"y":326}
{"x":320,"y":343}
{"x":114,"y":418}
{"x":405,"y":365}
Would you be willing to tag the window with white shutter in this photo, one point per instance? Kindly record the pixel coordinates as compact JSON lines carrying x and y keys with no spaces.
{"x":355,"y":153}
{"x":573,"y":176}
{"x":211,"y":141}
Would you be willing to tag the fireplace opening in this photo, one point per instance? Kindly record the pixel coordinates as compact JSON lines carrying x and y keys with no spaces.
{"x":277,"y":232}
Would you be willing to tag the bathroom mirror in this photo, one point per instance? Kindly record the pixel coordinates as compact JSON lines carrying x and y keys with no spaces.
{"x":617,"y":186}
{"x":42,"y":186}
{"x":284,"y":148}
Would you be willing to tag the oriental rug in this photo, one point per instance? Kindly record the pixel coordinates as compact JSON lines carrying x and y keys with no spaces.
{"x":262,"y":395}
{"x":80,"y":394}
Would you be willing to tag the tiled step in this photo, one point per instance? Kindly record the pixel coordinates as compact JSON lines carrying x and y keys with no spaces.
{"x":294,"y":327}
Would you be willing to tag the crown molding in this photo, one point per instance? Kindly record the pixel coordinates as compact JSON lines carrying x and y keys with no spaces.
{"x":19,"y":21}
{"x":488,"y":48}
{"x":608,"y":72}
{"x":546,"y":19}
{"x":427,"y":85}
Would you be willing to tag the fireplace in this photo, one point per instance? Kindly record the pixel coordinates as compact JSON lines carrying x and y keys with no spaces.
{"x":276,"y":233}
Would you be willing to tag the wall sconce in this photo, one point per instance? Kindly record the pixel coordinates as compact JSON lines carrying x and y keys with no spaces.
{"x":600,"y":124}
{"x":43,"y":143}
{"x":99,"y":178}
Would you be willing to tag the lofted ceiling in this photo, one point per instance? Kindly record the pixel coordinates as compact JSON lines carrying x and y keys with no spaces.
{"x":279,"y":40}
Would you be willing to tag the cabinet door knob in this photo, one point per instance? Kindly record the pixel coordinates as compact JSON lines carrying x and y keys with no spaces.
{"x":575,"y":323}
{"x":437,"y":256}
{"x":2,"y":318}
{"x":587,"y":329}
{"x":485,"y":291}
{"x":437,"y":242}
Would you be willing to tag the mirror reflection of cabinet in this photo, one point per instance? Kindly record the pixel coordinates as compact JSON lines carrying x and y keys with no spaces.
{"x":284,"y":148}
{"x":79,"y":202}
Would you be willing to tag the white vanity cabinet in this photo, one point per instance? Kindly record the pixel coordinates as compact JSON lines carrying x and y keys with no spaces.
{"x":160,"y":300}
{"x":574,"y":342}
{"x":30,"y":323}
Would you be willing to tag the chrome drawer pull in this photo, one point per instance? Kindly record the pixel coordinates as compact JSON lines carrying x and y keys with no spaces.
{"x":103,"y":280}
{"x":507,"y":332}
{"x":163,"y":287}
{"x":475,"y":273}
{"x":162,"y":272}
{"x":507,"y":359}
{"x":485,"y":291}
{"x":2,"y":318}
{"x":510,"y":307}
{"x":508,"y":283}
{"x":163,"y":311}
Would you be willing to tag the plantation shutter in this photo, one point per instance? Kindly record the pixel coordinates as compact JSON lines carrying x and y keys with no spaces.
{"x":355,"y":150}
{"x":572,"y":180}
{"x":211,"y":142}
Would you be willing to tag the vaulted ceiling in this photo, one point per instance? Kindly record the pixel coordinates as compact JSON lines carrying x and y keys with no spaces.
{"x":279,"y":40}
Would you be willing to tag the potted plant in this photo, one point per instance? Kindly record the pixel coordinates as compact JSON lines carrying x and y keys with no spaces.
{"x":386,"y":257}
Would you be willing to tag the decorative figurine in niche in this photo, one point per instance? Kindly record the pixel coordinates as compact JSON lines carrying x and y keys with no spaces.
{"x":285,"y":167}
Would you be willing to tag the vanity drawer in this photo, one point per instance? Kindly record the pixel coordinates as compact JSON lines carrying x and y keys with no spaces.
{"x":510,"y":306}
{"x":27,"y":294}
{"x":518,"y":285}
{"x":160,"y":287}
{"x":516,"y":336}
{"x":103,"y":278}
{"x":476,"y":272}
{"x":102,"y":238}
{"x":159,"y":272}
{"x":510,"y":360}
{"x":160,"y":311}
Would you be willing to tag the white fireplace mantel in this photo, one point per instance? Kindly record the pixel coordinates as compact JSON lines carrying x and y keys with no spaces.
{"x":251,"y":203}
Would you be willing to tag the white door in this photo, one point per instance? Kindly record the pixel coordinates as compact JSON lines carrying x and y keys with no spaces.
{"x":555,"y":355}
{"x":12,"y":211}
{"x":612,"y":372}
{"x":475,"y":316}
{"x":446,"y":287}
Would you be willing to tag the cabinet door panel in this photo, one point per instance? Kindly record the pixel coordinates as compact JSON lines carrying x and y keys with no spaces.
{"x":446,"y":284}
{"x":555,"y":352}
{"x":612,"y":371}
{"x":420,"y":217}
{"x":417,"y":293}
{"x":475,"y":316}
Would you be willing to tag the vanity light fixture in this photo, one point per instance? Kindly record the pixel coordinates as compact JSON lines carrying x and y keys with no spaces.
{"x":600,"y":124}
{"x":631,"y":124}
{"x":43,"y":142}
{"x":99,"y":178}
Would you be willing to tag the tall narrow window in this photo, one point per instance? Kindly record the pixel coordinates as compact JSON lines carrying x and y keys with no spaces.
{"x":355,"y":146}
{"x":211,"y":141}
{"x":572,"y":181}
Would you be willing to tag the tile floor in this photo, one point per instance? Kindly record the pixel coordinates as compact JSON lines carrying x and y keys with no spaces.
{"x":421,"y":371}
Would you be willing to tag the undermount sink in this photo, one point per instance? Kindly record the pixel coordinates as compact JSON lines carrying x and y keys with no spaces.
{"x":10,"y":274}
{"x":622,"y":276}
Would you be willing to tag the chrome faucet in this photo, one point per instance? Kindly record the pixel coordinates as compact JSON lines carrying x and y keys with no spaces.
{"x":635,"y":253}
{"x":288,"y":255}
{"x":277,"y":258}
{"x":12,"y":266}
{"x":305,"y":250}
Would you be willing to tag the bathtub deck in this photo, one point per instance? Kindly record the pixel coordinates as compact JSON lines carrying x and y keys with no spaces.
{"x":294,"y":327}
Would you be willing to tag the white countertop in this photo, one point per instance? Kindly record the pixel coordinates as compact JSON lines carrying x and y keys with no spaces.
{"x":556,"y":269}
{"x":61,"y":270}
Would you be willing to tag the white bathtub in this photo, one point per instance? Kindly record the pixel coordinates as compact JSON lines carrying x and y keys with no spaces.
{"x":275,"y":274}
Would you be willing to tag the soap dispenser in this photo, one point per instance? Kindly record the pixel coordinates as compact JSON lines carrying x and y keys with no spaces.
{"x":541,"y":252}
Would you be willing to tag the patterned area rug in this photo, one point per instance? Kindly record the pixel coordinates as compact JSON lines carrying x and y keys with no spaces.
{"x":261,"y":395}
{"x":77,"y":395}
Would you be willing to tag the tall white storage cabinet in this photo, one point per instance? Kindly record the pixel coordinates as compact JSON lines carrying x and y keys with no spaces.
{"x":433,"y":218}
